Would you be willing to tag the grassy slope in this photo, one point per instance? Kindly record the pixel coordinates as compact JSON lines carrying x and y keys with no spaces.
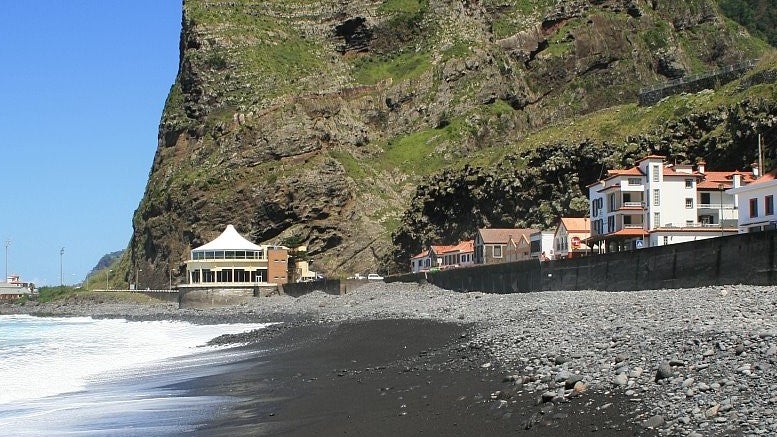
{"x":253,"y":61}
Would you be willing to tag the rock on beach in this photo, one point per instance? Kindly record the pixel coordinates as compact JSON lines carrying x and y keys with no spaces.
{"x":702,"y":383}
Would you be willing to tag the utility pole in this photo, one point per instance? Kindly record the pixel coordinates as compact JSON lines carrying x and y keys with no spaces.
{"x":7,"y":243}
{"x":760,"y":158}
{"x":61,"y":278}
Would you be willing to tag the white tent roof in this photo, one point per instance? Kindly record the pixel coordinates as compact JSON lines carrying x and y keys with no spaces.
{"x":230,"y":239}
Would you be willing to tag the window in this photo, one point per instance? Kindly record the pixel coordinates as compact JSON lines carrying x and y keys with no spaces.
{"x":769,"y":205}
{"x":666,"y":240}
{"x":705,"y":199}
{"x":655,"y":172}
{"x":656,"y":197}
{"x":689,"y":202}
{"x":610,"y":224}
{"x":497,"y":251}
{"x":656,"y":219}
{"x":689,"y":183}
{"x":635,"y":181}
{"x":753,"y":207}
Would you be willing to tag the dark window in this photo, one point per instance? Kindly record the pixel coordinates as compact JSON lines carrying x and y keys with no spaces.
{"x":705,"y":199}
{"x":753,"y":207}
{"x":769,"y":205}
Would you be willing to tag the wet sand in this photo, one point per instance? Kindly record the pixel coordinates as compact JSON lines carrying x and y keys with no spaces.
{"x":395,"y":377}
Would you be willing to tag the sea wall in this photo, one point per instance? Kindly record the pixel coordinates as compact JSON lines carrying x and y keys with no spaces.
{"x":206,"y":297}
{"x":737,"y":259}
{"x":329,"y":286}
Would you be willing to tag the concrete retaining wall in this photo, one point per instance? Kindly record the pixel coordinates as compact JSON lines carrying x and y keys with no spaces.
{"x":744,"y":258}
{"x":204,"y":297}
{"x":329,"y":286}
{"x":693,"y":84}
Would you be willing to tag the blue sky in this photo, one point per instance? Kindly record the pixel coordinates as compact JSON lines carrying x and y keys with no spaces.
{"x":82,"y":87}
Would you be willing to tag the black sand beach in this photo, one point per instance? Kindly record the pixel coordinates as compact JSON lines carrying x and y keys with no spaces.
{"x":393,"y":377}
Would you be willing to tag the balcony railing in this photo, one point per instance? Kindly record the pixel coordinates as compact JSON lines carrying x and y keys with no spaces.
{"x":632,"y":204}
{"x":717,"y":206}
{"x":634,"y":226}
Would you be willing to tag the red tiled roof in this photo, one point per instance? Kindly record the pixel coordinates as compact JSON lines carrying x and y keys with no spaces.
{"x":652,"y":157}
{"x":772,"y":175}
{"x":629,"y":232}
{"x":501,"y":236}
{"x":463,"y":247}
{"x":713,"y":179}
{"x":576,"y":224}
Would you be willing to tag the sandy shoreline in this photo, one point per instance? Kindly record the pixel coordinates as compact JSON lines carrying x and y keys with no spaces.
{"x":495,"y":363}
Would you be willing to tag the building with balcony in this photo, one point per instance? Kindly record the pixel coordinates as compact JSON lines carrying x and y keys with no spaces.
{"x":656,"y":203}
{"x":232,"y":261}
{"x":755,"y":202}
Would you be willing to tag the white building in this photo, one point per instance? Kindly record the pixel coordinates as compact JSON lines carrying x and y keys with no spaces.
{"x":756,"y":204}
{"x":656,"y":203}
{"x":570,"y":236}
{"x":542,"y":242}
{"x":232,"y":261}
{"x":442,"y":257}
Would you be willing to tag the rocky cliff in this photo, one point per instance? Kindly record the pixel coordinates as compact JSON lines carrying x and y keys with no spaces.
{"x":332,"y":122}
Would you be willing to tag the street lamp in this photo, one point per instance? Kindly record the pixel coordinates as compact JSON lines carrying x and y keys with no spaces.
{"x":171,"y":279}
{"x":107,"y":275}
{"x":61,"y":278}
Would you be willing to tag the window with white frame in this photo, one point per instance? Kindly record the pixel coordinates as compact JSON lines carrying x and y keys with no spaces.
{"x":497,"y":251}
{"x":689,"y":183}
{"x":655,"y":172}
{"x":656,"y":197}
{"x":656,"y":219}
{"x":689,"y":202}
{"x":635,"y":181}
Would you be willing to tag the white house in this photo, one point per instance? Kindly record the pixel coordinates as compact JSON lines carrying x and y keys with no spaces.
{"x":441,"y":257}
{"x":542,"y":242}
{"x":570,"y":236}
{"x":232,"y":261}
{"x":656,"y":203}
{"x":756,"y":203}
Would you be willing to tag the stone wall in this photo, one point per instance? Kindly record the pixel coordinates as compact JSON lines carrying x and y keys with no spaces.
{"x":329,"y":286}
{"x":693,"y":84}
{"x":744,"y":258}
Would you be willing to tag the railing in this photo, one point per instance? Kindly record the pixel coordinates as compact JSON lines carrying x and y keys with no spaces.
{"x":632,"y":204}
{"x":113,"y":290}
{"x":717,"y":206}
{"x":635,"y":226}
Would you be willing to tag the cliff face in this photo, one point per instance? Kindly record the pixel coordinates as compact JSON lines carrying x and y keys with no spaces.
{"x":317,"y":121}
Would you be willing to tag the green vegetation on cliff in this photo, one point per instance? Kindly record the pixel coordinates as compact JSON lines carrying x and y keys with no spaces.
{"x":341,"y":124}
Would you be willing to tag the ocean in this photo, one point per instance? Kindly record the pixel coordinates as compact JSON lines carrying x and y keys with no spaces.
{"x":97,"y":377}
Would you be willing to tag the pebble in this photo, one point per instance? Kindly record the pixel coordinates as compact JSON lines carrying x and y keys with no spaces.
{"x":713,"y":357}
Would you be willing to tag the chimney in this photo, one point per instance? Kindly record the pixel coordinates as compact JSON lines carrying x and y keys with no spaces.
{"x":756,"y":170}
{"x":737,"y":180}
{"x":702,"y":165}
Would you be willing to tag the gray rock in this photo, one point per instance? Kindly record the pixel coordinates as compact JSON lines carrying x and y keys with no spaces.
{"x":653,"y":422}
{"x":664,"y":371}
{"x":620,"y":379}
{"x":572,"y":380}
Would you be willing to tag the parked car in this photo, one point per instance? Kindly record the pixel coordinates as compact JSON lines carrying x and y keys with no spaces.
{"x":374,"y":277}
